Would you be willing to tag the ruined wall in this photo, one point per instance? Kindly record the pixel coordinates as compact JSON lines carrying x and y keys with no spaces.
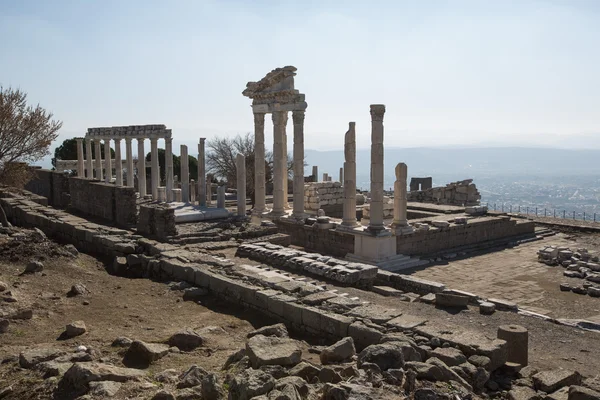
{"x":325,"y":241}
{"x":104,"y":200}
{"x":328,"y":196}
{"x":388,"y":208}
{"x":475,"y":231}
{"x":456,"y":193}
{"x":421,"y":183}
{"x":51,"y":184}
{"x":157,"y":220}
{"x":60,"y":190}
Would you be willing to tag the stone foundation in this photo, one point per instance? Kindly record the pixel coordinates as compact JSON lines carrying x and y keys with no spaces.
{"x":310,"y":237}
{"x":328,"y":196}
{"x":157,"y":220}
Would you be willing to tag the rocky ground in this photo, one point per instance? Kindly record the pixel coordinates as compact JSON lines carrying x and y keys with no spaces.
{"x":72,"y":330}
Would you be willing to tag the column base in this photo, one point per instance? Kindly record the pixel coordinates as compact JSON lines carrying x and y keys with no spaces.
{"x":402,"y":229}
{"x":374,"y":249}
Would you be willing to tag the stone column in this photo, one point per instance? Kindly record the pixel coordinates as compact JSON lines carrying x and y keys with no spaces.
{"x":325,"y":177}
{"x":107,"y":161}
{"x":298,"y":210}
{"x":118,"y":163}
{"x":209,"y":189}
{"x":315,"y":173}
{"x":221,"y":196}
{"x":201,"y":174}
{"x":154,"y":173}
{"x":349,"y":218}
{"x":376,"y":212}
{"x":279,"y":167}
{"x":185,"y":174}
{"x":341,"y":175}
{"x":259,"y":163}
{"x":286,"y":176}
{"x":240,"y":165}
{"x":89,"y":166}
{"x":129,"y":155}
{"x":80,"y":167}
{"x":141,"y":168}
{"x":98,"y":160}
{"x":169,"y":168}
{"x":400,"y":196}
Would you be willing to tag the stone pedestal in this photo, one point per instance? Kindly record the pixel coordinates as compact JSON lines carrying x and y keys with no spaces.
{"x":376,"y":214}
{"x":89,"y":166}
{"x":298,"y":210}
{"x":161,"y":193}
{"x":280,"y":169}
{"x":202,"y":174}
{"x":129,"y":155}
{"x":259,"y":164}
{"x":517,"y":341}
{"x":80,"y":162}
{"x":315,"y":173}
{"x":154,"y":173}
{"x":185,"y":174}
{"x":107,"y":162}
{"x":169,"y":168}
{"x":240,"y":164}
{"x":118,"y":163}
{"x":177,"y":195}
{"x":221,"y":197}
{"x":141,"y":168}
{"x":349,"y":217}
{"x":374,"y":249}
{"x":98,"y":161}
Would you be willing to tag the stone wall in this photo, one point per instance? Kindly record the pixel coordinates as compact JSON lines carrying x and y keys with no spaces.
{"x":388,"y":208}
{"x":420,"y":183}
{"x":325,"y":241}
{"x":477,"y":230}
{"x":328,"y":196}
{"x":461,"y":193}
{"x":112,"y":203}
{"x":50,"y":184}
{"x":157,"y":220}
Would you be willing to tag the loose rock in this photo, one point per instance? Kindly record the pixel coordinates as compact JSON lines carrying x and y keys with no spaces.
{"x":33,"y":267}
{"x":263,"y":350}
{"x":341,"y":351}
{"x":75,"y":328}
{"x":186,"y":340}
{"x":278,"y":330}
{"x":141,"y":354}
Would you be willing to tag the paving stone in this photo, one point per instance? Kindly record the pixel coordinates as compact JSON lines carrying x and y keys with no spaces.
{"x":375,"y":313}
{"x":549,"y":381}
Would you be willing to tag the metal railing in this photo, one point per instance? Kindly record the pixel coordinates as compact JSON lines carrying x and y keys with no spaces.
{"x":544,"y":212}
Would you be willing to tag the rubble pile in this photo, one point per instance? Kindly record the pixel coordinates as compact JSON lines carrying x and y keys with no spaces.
{"x":580,"y":264}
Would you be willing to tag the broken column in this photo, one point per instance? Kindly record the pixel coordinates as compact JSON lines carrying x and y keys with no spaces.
{"x":221,"y":196}
{"x":259,"y":163}
{"x":89,"y":166}
{"x":141,"y":168}
{"x":201,"y":174}
{"x":240,"y":164}
{"x":349,"y":218}
{"x":118,"y":164}
{"x":376,"y":207}
{"x":129,"y":155}
{"x":298,"y":210}
{"x":280,"y":169}
{"x":315,"y":173}
{"x":185,"y":174}
{"x":517,"y":342}
{"x":107,"y":161}
{"x":209,"y":179}
{"x":80,"y":165}
{"x":169,"y":168}
{"x":98,"y":160}
{"x":400,"y":197}
{"x":341,"y":175}
{"x":154,"y":166}
{"x":325,"y":177}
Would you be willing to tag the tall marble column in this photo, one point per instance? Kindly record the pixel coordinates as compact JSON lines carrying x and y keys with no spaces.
{"x":80,"y":166}
{"x":315,"y":173}
{"x":169,"y":168}
{"x":129,"y":155}
{"x":279,"y":167}
{"x":376,"y":217}
{"x":107,"y":161}
{"x":298,"y":210}
{"x":201,"y":174}
{"x":89,"y":166}
{"x":286,"y":175}
{"x":400,"y":196}
{"x":141,"y":168}
{"x":98,"y":160}
{"x":118,"y":163}
{"x":154,"y":173}
{"x":240,"y":166}
{"x":349,"y":218}
{"x":221,"y":196}
{"x":259,"y":163}
{"x":185,"y":174}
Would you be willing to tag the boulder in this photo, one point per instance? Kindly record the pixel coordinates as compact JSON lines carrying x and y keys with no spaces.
{"x":122,"y":341}
{"x":263,"y":350}
{"x":523,"y":393}
{"x":329,"y":375}
{"x":449,"y":355}
{"x":167,"y":376}
{"x":141,"y":354}
{"x":305,"y":370}
{"x":549,"y":381}
{"x":385,"y":355}
{"x":33,"y":267}
{"x":211,"y":388}
{"x":79,"y":376}
{"x":78,"y":289}
{"x":480,"y":361}
{"x":278,"y":330}
{"x":298,"y":383}
{"x":286,"y":392}
{"x":582,"y":393}
{"x":186,"y":340}
{"x":75,"y":328}
{"x":53,"y":368}
{"x":30,"y":358}
{"x":425,"y":371}
{"x":192,"y":377}
{"x":104,"y":389}
{"x":341,"y":351}
{"x":250,"y":383}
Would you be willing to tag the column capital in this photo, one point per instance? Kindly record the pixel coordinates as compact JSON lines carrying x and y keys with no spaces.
{"x":168,"y":140}
{"x":117,"y":140}
{"x":377,"y":111}
{"x":128,"y":140}
{"x":298,"y":116}
{"x":203,"y":139}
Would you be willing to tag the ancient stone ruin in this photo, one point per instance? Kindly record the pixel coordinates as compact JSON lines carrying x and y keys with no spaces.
{"x":461,"y":193}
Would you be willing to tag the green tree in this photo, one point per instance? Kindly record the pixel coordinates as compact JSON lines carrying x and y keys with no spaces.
{"x":192,"y":163}
{"x":68,"y":151}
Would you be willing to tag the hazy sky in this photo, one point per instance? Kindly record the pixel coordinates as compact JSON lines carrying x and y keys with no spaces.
{"x":450,"y":72}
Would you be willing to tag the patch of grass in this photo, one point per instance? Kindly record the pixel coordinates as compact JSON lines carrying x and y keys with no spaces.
{"x":19,"y":332}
